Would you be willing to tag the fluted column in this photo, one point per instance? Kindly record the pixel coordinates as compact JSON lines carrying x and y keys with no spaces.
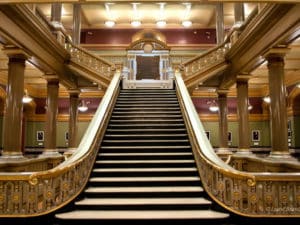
{"x":278,"y":111}
{"x":239,"y":13}
{"x":76,"y":23}
{"x":223,"y":122}
{"x":12,"y":125}
{"x":220,"y":23}
{"x":51,"y":114}
{"x":74,"y":102}
{"x":56,"y":10}
{"x":243,"y":114}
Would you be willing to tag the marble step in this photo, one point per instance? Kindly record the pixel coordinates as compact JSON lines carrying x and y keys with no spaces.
{"x":142,"y":215}
{"x":144,"y":179}
{"x":182,"y":201}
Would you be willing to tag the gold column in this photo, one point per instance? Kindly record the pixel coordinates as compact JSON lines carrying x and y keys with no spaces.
{"x":56,"y":11}
{"x":76,"y":23}
{"x":223,"y":122}
{"x":278,"y":110}
{"x":12,"y":125}
{"x":74,"y":102}
{"x":239,"y":14}
{"x":220,"y":23}
{"x":51,"y":114}
{"x":243,"y":114}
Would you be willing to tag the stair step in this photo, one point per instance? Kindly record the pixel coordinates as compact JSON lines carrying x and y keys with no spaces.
{"x":147,"y":147}
{"x":163,"y":112}
{"x":143,"y":142}
{"x":148,"y":120}
{"x":160,"y":189}
{"x":141,"y":170}
{"x":139,"y":130}
{"x":141,"y":215}
{"x":141,"y":179}
{"x":146,"y":109}
{"x":144,"y":161}
{"x":143,"y":201}
{"x":147,"y":154}
{"x":143,"y":125}
{"x":146,"y":136}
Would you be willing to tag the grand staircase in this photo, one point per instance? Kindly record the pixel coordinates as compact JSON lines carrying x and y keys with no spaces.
{"x":145,"y":169}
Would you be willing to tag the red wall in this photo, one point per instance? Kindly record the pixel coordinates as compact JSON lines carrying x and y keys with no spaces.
{"x":173,"y":36}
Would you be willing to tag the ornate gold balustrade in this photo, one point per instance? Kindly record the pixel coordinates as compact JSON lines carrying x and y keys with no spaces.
{"x":204,"y":66}
{"x":252,"y":194}
{"x":80,"y":60}
{"x":38,"y":193}
{"x":91,"y":61}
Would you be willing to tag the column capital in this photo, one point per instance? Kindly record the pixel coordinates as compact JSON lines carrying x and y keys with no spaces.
{"x":74,"y":92}
{"x":276,"y":53}
{"x":243,"y":77}
{"x":222,"y":92}
{"x":51,"y":77}
{"x":15,"y":52}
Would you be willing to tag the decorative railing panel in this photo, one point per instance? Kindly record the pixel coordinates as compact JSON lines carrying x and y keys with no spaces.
{"x":260,"y":194}
{"x":215,"y":56}
{"x":89,"y":60}
{"x":38,"y":193}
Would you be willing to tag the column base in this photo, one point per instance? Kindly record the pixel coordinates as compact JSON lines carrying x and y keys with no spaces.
{"x":53,"y":153}
{"x":243,"y":151}
{"x":70,"y":152}
{"x":12,"y":157}
{"x":277,"y":155}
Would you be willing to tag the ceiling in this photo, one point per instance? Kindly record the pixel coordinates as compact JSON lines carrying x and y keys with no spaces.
{"x":94,"y":15}
{"x":202,"y":16}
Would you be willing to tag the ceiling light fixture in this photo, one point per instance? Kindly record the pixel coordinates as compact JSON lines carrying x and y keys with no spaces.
{"x":136,"y":17}
{"x":26,"y":98}
{"x":136,"y":23}
{"x":186,"y":23}
{"x":110,"y":23}
{"x":83,"y":107}
{"x":161,"y":23}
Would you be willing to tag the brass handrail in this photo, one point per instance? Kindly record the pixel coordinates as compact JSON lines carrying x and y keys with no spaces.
{"x":244,"y":193}
{"x":38,"y":193}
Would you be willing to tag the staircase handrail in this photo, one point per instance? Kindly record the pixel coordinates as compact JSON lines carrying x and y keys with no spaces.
{"x":259,"y":194}
{"x":37,"y":193}
{"x":216,"y":55}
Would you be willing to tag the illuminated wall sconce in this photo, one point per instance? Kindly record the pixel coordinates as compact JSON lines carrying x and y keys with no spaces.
{"x":83,"y":106}
{"x":26,"y":98}
{"x":213,"y":106}
{"x":267,"y":99}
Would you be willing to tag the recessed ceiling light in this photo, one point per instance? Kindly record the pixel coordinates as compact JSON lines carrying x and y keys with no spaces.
{"x":161,"y":23}
{"x":186,"y":23}
{"x":136,"y":23}
{"x":110,"y":23}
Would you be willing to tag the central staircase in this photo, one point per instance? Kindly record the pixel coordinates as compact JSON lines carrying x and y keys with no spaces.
{"x":145,"y":169}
